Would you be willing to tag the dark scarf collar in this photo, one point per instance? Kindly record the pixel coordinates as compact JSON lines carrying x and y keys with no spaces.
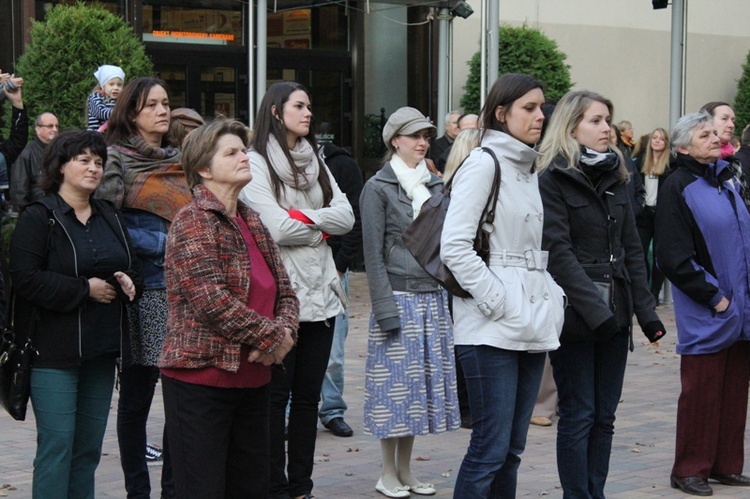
{"x":596,"y":164}
{"x":714,"y":173}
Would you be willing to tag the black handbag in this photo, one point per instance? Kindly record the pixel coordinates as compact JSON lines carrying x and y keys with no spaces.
{"x":602,"y":275}
{"x":422,"y":237}
{"x":15,"y":370}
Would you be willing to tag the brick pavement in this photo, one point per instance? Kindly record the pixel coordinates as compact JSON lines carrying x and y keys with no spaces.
{"x":348,"y":467}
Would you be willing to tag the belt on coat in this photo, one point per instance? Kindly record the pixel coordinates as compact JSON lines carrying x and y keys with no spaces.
{"x":529,"y":259}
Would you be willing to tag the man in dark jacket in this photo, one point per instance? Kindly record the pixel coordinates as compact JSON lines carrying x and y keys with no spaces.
{"x":19,"y":134}
{"x":27,"y":170}
{"x":345,"y":249}
{"x":439,"y":146}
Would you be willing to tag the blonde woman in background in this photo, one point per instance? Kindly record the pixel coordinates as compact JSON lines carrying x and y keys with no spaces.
{"x":653,"y":166}
{"x":463,"y":144}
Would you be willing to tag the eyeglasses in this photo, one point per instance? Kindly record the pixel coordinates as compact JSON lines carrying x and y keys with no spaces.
{"x":49,"y":126}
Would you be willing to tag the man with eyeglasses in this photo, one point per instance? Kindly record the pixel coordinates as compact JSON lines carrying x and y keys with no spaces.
{"x":19,"y":125}
{"x":27,"y":170}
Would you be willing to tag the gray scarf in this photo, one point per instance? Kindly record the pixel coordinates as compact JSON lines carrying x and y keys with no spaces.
{"x":303,"y":174}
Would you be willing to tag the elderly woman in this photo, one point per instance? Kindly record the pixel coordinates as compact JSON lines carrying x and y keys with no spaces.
{"x":703,"y":246}
{"x":73,"y":271}
{"x":232,"y":314}
{"x":596,"y":256}
{"x":410,"y":329}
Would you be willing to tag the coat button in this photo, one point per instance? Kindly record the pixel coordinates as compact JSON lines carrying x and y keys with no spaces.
{"x":528,"y":216}
{"x":532,"y":298}
{"x":546,"y":295}
{"x":413,"y":285}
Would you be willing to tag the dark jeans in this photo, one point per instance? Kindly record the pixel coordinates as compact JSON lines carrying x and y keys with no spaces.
{"x":502,"y":387}
{"x":219,"y":440}
{"x":646,"y":233}
{"x":301,"y":377}
{"x":137,"y":384}
{"x":589,"y":377}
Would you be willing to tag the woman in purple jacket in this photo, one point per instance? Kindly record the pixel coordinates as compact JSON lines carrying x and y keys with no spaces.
{"x":703,"y":247}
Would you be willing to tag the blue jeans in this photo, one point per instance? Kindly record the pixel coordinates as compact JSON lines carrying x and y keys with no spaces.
{"x":71,"y":407}
{"x":137,"y":384}
{"x":502,"y":387}
{"x":589,"y":377}
{"x":332,"y":391}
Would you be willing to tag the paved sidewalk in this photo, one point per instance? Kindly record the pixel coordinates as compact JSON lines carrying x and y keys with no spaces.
{"x":346,"y":468}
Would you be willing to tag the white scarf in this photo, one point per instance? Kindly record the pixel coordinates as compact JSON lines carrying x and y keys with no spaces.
{"x":413,"y":181}
{"x":306,"y":167}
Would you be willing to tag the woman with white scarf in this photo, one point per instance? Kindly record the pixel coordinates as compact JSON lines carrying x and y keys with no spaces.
{"x":410,"y":386}
{"x":300,"y":203}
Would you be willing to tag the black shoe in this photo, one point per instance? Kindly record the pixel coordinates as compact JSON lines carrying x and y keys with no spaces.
{"x":693,"y":485}
{"x":734,"y":480}
{"x":466,"y":422}
{"x":339,"y":427}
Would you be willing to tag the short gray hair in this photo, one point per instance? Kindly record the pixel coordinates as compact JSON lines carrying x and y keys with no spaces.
{"x":682,"y":133}
{"x":451,"y":113}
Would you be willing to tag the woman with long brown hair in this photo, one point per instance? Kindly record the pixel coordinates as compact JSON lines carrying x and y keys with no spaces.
{"x":653,"y":166}
{"x":300,"y":203}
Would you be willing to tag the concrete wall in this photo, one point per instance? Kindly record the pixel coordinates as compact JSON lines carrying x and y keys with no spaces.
{"x":621,"y":48}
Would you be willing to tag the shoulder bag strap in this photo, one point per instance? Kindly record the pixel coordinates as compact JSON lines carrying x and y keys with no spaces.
{"x":489,"y":209}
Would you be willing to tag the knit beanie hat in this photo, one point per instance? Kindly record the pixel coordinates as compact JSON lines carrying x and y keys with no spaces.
{"x":106,"y":73}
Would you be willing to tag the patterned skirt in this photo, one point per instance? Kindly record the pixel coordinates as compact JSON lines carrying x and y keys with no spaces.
{"x":410,"y":385}
{"x":147,"y":320}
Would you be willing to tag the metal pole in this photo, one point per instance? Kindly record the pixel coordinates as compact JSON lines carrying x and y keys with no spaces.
{"x":450,"y":66}
{"x":676,"y":68}
{"x":261,"y":37}
{"x":676,"y":81}
{"x":444,"y":18}
{"x":493,"y":40}
{"x":483,"y":54}
{"x":250,"y":64}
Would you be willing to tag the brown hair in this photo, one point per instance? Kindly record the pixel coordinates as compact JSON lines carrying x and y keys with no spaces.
{"x":200,"y":146}
{"x":504,"y":92}
{"x":130,"y":102}
{"x":63,"y":149}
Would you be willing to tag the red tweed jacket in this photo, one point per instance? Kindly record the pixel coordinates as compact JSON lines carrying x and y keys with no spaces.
{"x":208,"y":280}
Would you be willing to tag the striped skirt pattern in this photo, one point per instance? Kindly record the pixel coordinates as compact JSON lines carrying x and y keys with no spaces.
{"x":410,"y":385}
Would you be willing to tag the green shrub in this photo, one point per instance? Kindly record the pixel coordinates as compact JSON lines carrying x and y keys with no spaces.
{"x":522,"y":50}
{"x":742,"y":100}
{"x":66,"y":48}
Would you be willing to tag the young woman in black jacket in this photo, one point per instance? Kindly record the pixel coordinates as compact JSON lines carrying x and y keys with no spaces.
{"x":588,"y":220}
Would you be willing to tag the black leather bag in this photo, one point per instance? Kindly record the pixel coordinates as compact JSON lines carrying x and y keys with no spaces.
{"x":15,"y":375}
{"x":422,"y":237}
{"x":16,"y":358}
{"x":602,"y":275}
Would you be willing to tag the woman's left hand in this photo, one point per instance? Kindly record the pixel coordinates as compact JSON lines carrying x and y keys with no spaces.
{"x":266,"y":359}
{"x":126,"y":283}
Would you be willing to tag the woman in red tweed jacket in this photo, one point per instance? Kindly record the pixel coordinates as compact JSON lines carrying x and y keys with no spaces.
{"x":232,"y":314}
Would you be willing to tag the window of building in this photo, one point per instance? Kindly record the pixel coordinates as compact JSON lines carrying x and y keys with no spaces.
{"x":189,"y":21}
{"x":322,"y":28}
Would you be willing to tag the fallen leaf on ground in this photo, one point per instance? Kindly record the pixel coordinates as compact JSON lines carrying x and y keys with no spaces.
{"x":420,"y":458}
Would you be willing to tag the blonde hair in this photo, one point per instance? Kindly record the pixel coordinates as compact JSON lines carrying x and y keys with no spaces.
{"x":558,"y":139}
{"x":652,"y":166}
{"x":463,"y":144}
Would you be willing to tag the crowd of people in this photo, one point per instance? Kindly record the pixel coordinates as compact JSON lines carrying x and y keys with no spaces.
{"x":160,"y":246}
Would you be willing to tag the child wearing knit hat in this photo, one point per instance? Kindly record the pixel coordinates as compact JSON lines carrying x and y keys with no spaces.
{"x":102,"y":99}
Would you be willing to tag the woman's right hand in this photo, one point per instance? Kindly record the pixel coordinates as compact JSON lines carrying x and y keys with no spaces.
{"x":722,"y":306}
{"x":101,"y":291}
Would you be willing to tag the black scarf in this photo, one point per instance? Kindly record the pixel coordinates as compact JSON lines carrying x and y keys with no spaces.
{"x":595,"y":164}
